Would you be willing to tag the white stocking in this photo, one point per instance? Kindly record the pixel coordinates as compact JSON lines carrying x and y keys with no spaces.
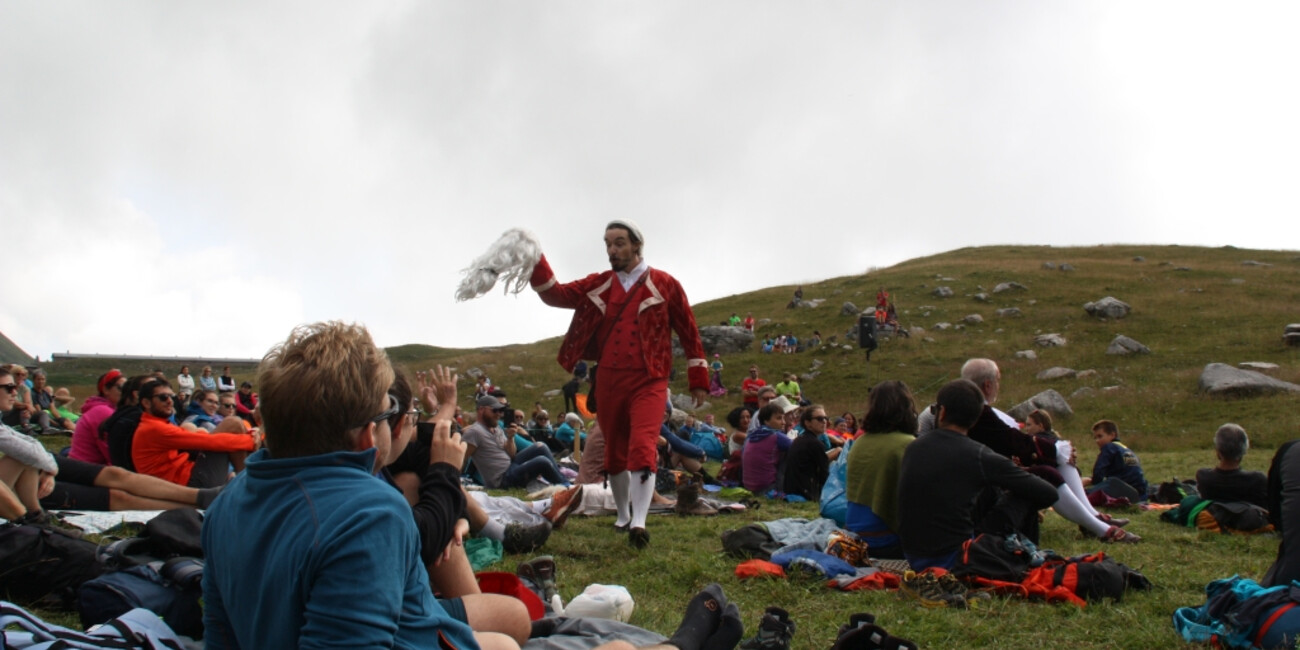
{"x":1064,"y":450}
{"x":1068,"y":506}
{"x":618,"y":484}
{"x":642,"y":493}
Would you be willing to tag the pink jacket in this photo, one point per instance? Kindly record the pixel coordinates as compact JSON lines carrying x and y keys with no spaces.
{"x":87,"y":444}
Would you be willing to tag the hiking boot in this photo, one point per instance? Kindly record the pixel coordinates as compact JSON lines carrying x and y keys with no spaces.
{"x":689,"y":503}
{"x":775,"y":630}
{"x":638,"y":537}
{"x":541,"y":572}
{"x":925,"y":588}
{"x":522,"y":539}
{"x":1114,"y":521}
{"x":862,"y":633}
{"x":1117,"y":534}
{"x":562,"y":504}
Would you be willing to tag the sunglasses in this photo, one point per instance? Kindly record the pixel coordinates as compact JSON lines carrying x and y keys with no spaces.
{"x":820,"y":418}
{"x":227,"y":405}
{"x":389,"y":412}
{"x":165,"y":397}
{"x":13,"y":388}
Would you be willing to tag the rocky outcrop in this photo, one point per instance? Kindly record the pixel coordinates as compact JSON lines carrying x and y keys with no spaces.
{"x":1009,"y":286}
{"x":1048,"y":400}
{"x":1056,"y":372}
{"x":720,"y":339}
{"x":1125,"y":345}
{"x":1108,"y":307}
{"x":942,"y":292}
{"x":1052,"y":340}
{"x":1223,"y":379}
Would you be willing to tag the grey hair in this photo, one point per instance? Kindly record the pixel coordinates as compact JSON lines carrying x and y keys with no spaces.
{"x":979,"y":371}
{"x":1231,"y":442}
{"x":573,"y":419}
{"x":678,"y":419}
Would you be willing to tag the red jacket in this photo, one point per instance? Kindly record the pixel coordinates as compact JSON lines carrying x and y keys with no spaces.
{"x":157,"y":447}
{"x":666,"y":307}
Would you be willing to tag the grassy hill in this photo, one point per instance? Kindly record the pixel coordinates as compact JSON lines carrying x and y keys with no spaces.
{"x":1191,"y":306}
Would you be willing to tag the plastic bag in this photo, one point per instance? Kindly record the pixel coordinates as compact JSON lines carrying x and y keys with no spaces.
{"x":835,"y":500}
{"x":602,"y":601}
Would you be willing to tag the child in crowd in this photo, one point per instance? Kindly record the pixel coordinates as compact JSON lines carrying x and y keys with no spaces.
{"x":1117,"y":472}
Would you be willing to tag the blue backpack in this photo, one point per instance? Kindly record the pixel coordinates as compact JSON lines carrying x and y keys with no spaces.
{"x":1240,"y":613}
{"x":170,"y":589}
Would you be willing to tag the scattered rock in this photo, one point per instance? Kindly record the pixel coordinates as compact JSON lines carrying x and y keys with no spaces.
{"x":1085,"y":374}
{"x":1009,"y":286}
{"x":1108,"y":307}
{"x":809,"y":304}
{"x":817,"y":363}
{"x":1052,"y":340}
{"x":1237,"y":281}
{"x":808,"y":376}
{"x":1125,"y":345}
{"x":1111,"y":389}
{"x":972,"y":319}
{"x":927,"y":308}
{"x":1260,"y":366}
{"x":928,"y":339}
{"x":1009,"y":312}
{"x":1056,"y":373}
{"x":474,"y":373}
{"x":686,"y":402}
{"x":942,"y":326}
{"x":849,"y":309}
{"x":1223,"y":379}
{"x":959,"y":326}
{"x":981,"y":297}
{"x":942,"y":292}
{"x":1048,"y":400}
{"x":1027,"y":354}
{"x":1254,"y":263}
{"x":1032,"y":302}
{"x":552,"y":393}
{"x":1067,"y":267}
{"x":529,"y":387}
{"x":916,"y":330}
{"x":1082,"y":391}
{"x":1139,"y":259}
{"x":516,"y":368}
{"x":846,"y":346}
{"x":764,"y":321}
{"x":990,"y":343}
{"x":720,"y":339}
{"x":1182,"y":268}
{"x":1049,"y":266}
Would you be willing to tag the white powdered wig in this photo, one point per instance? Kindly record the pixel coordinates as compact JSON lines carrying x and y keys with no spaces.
{"x":510,"y":258}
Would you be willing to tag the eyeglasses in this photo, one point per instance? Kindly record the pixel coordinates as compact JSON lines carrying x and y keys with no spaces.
{"x":389,"y":412}
{"x":13,"y":388}
{"x":820,"y":418}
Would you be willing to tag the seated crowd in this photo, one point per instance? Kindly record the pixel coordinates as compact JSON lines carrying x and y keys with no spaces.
{"x":919,"y":484}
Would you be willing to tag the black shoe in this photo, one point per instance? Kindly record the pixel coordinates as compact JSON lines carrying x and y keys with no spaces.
{"x":638,"y":537}
{"x":775,"y":630}
{"x":522,"y":539}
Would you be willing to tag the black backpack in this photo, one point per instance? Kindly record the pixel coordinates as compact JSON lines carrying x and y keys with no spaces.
{"x":42,"y":565}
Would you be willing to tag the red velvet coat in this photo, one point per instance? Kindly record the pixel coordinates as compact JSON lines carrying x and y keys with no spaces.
{"x":666,"y":306}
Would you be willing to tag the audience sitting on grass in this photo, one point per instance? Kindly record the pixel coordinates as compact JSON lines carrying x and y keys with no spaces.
{"x":807,"y":464}
{"x":20,"y":414}
{"x":571,"y":428}
{"x":496,"y":456}
{"x":62,"y":409}
{"x":875,"y":460}
{"x":738,"y":419}
{"x":42,"y":401}
{"x":764,"y":455}
{"x":186,"y":456}
{"x":942,"y":473}
{"x":675,"y":451}
{"x":1044,"y":456}
{"x":246,"y":402}
{"x":1226,"y":481}
{"x":120,"y":426}
{"x":202,"y":412}
{"x":1117,"y":471}
{"x":89,"y":444}
{"x":32,"y":479}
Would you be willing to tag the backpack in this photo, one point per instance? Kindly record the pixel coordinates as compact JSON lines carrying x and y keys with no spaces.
{"x":170,"y":589}
{"x":1085,"y":578}
{"x":136,"y":629}
{"x":994,"y":557}
{"x":1174,"y":491}
{"x":835,"y":497}
{"x":43,"y":565}
{"x":1240,"y":613}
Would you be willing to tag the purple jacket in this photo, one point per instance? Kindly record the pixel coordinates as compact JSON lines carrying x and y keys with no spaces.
{"x":760,"y":457}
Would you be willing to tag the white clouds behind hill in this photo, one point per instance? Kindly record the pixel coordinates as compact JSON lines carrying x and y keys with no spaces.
{"x":197,"y":179}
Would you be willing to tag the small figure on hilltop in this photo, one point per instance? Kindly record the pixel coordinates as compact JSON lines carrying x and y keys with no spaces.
{"x":734,"y":321}
{"x":749,"y":321}
{"x":749,"y":389}
{"x":716,"y":388}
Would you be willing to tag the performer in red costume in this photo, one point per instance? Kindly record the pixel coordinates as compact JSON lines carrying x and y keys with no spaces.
{"x":621,"y":319}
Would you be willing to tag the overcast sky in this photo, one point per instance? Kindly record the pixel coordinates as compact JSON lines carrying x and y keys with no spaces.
{"x":185,"y":178}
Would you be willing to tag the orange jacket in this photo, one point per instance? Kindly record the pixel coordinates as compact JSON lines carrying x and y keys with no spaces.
{"x":158,"y":444}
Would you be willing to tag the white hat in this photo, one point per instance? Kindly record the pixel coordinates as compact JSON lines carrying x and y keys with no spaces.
{"x":628,"y":225}
{"x":784,"y":403}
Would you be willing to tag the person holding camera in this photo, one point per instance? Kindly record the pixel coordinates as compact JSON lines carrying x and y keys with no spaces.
{"x":496,"y":456}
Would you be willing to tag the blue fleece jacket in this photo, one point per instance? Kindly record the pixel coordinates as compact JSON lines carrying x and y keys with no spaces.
{"x":316,"y":552}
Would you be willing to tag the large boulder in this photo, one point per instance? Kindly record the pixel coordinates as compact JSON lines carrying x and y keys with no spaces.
{"x":1108,"y":307}
{"x":1057,"y":373}
{"x":1052,"y":340}
{"x":973,"y":319}
{"x":849,"y":309}
{"x":1027,"y":354}
{"x":1009,"y":312}
{"x":720,"y":339}
{"x":1125,"y":345}
{"x":942,"y":292}
{"x":1223,"y":379}
{"x":1048,"y":400}
{"x":1009,"y":286}
{"x":686,"y":402}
